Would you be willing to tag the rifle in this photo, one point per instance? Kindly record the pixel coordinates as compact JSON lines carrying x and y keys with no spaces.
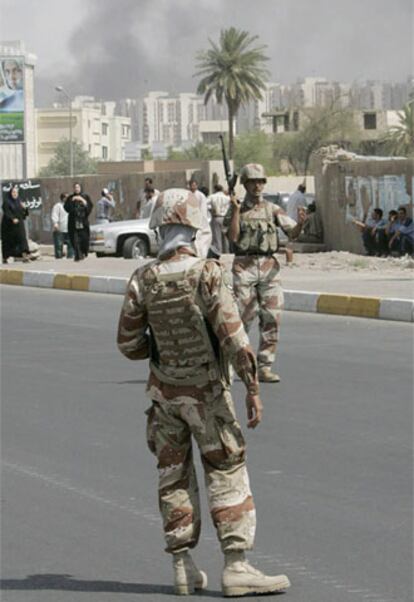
{"x":231,"y":178}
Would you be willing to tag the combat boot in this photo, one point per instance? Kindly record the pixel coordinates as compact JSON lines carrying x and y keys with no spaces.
{"x":267,"y":376}
{"x":240,"y":578}
{"x":187,"y":577}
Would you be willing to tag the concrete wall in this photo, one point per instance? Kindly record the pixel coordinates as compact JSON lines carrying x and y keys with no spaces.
{"x":125,"y":190}
{"x":348,"y":189}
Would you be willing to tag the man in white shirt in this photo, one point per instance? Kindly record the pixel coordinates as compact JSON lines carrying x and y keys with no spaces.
{"x":203,"y":237}
{"x":296,"y":201}
{"x":142,"y":199}
{"x":59,"y":219}
{"x":218,"y":204}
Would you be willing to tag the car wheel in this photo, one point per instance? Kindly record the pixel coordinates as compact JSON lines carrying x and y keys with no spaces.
{"x":135,"y":247}
{"x":100,"y":254}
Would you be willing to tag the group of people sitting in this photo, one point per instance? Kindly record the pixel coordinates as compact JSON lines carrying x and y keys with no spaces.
{"x":394,"y":236}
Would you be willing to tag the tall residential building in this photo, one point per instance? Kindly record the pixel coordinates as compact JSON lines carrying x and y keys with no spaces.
{"x":94,"y":125}
{"x":17,"y":113}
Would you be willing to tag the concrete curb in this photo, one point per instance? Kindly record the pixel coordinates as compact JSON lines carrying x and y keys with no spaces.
{"x":401,"y":310}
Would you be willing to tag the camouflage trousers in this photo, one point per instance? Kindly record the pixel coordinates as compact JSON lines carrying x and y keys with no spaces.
{"x":213,"y":425}
{"x":256,"y":282}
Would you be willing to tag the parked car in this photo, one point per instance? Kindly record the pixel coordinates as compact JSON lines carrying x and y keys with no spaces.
{"x":130,"y":239}
{"x":278,"y":198}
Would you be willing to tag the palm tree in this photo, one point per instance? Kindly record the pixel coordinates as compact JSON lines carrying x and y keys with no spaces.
{"x":400,"y":139}
{"x":232,"y":70}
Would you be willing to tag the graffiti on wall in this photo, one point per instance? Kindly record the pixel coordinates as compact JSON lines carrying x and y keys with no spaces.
{"x":363,"y":194}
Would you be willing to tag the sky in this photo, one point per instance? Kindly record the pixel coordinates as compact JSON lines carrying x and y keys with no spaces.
{"x":123,"y":48}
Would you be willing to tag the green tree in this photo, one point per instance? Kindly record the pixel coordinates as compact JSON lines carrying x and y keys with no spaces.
{"x":233,"y":71}
{"x":59,"y":164}
{"x":400,"y":139}
{"x":203,"y":152}
{"x":320,"y":126}
{"x":254,"y":147}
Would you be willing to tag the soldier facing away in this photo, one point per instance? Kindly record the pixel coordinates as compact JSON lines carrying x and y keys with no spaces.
{"x":252,"y":228}
{"x":180,"y":312}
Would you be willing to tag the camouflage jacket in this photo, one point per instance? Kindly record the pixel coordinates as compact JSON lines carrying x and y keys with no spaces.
{"x":215,"y":298}
{"x":250,"y":211}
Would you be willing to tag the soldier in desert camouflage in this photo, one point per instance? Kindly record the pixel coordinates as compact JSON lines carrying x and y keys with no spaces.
{"x":252,"y":228}
{"x":180,"y":312}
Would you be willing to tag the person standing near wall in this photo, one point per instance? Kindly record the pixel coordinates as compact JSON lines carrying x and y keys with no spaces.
{"x":59,"y":218}
{"x":105,"y":207}
{"x":13,"y":232}
{"x":218,"y":204}
{"x":79,"y":207}
{"x":252,"y":227}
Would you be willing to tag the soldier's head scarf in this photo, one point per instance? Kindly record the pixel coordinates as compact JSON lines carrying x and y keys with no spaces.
{"x":174,"y":236}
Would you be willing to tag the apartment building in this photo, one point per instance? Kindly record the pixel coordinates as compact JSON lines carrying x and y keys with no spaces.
{"x":101,"y":132}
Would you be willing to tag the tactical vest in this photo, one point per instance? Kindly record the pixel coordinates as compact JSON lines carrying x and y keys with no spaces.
{"x":183,"y":350}
{"x":258,"y":231}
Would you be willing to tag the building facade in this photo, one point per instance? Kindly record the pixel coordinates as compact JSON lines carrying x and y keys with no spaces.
{"x":95,"y":126}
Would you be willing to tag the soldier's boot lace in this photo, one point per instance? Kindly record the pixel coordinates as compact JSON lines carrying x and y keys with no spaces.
{"x":187,"y":577}
{"x":240,"y":578}
{"x":267,"y":376}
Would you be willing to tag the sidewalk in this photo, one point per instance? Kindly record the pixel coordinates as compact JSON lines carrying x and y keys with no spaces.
{"x":338,"y":283}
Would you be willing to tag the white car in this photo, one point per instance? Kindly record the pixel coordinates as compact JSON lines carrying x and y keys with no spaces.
{"x":130,"y":239}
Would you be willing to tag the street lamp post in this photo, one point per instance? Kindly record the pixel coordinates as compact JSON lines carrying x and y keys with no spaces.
{"x":64,"y":92}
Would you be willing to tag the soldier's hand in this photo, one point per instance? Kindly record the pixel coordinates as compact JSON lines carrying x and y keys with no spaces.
{"x":254,"y":410}
{"x":234,"y":200}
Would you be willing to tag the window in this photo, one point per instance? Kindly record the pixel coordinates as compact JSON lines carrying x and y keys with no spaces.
{"x":104,"y":129}
{"x":104,"y":152}
{"x":370,"y":121}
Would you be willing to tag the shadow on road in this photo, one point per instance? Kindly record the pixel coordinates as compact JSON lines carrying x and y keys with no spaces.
{"x":68,"y":583}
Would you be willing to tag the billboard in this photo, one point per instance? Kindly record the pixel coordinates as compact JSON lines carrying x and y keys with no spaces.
{"x":11,"y":99}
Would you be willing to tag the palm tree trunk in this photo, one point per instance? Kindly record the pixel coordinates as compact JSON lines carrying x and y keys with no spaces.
{"x":231,"y":134}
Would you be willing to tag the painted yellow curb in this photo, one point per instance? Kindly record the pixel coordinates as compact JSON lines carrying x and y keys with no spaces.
{"x":347,"y":305}
{"x":63,"y":281}
{"x":12,"y":276}
{"x":365,"y":307}
{"x":333,"y":304}
{"x":80,"y":283}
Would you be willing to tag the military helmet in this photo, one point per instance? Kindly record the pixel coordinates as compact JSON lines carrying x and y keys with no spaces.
{"x":176,"y":206}
{"x":252,"y":171}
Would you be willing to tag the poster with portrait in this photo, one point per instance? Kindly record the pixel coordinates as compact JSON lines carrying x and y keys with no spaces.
{"x":11,"y":99}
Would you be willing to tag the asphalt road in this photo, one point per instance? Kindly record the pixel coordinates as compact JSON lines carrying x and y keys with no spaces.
{"x":330,"y":466}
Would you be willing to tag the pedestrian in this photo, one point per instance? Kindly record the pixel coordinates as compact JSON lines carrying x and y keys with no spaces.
{"x":59,"y":218}
{"x":204,"y":236}
{"x":313,"y":226}
{"x":218,"y":204}
{"x":105,"y":207}
{"x":79,"y":206}
{"x":142,"y":199}
{"x":402,"y":234}
{"x":297,"y":200}
{"x":180,"y":312}
{"x":252,"y":228}
{"x":13,"y":232}
{"x":148,"y":206}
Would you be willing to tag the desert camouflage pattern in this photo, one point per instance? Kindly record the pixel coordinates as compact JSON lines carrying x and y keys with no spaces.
{"x":200,"y":410}
{"x":256,"y":270}
{"x":256,"y":281}
{"x":177,"y":206}
{"x":252,"y":171}
{"x":214,"y":427}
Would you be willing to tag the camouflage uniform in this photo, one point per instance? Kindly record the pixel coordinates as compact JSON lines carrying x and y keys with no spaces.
{"x":256,"y":269}
{"x":191,"y":312}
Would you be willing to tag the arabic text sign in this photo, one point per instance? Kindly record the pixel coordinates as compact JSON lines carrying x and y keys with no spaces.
{"x":29,"y":193}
